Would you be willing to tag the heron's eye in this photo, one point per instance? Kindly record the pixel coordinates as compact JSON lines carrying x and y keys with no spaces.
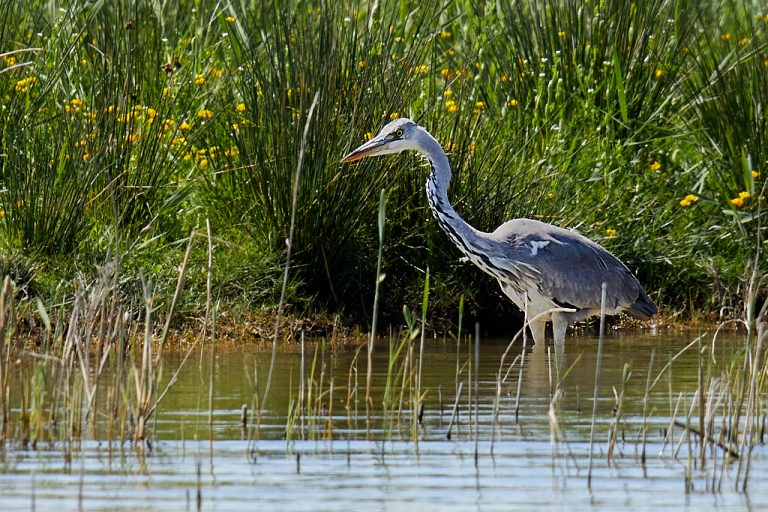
{"x":399,"y":133}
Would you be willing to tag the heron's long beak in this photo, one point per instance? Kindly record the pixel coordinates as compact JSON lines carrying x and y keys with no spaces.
{"x":370,"y":148}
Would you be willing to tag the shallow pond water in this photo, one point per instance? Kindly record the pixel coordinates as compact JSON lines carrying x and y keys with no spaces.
{"x":526,"y":452}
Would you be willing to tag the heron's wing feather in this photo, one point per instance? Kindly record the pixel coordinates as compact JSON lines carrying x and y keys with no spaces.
{"x":566,"y":267}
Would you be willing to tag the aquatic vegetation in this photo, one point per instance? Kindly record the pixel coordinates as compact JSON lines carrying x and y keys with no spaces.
{"x":164,"y":117}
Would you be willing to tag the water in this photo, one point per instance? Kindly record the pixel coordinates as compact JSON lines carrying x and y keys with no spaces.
{"x":346,"y":459}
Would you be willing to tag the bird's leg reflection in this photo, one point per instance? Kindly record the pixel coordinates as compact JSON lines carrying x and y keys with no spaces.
{"x":543,"y":365}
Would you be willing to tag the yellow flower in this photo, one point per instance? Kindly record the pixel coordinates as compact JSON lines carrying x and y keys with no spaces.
{"x":610,"y":232}
{"x":445,"y":34}
{"x":151,"y":114}
{"x":445,"y":73}
{"x":240,"y":107}
{"x":203,"y":163}
{"x":393,"y":116}
{"x":737,"y":202}
{"x":561,"y":34}
{"x":73,"y":105}
{"x":505,"y":77}
{"x":25,"y":84}
{"x":9,"y":60}
{"x":755,"y":174}
{"x":658,"y":73}
{"x":200,"y":80}
{"x":368,"y":136}
{"x":726,"y":36}
{"x":229,"y":153}
{"x":744,"y":41}
{"x":184,"y":126}
{"x":205,"y":114}
{"x":691,"y":198}
{"x":479,"y":105}
{"x":230,"y":19}
{"x":688,"y":200}
{"x":655,"y":166}
{"x":168,"y":125}
{"x":513,"y":103}
{"x":685,"y":203}
{"x":447,"y":93}
{"x":472,"y":148}
{"x":362,"y":64}
{"x":421,"y":68}
{"x":743,"y":195}
{"x":2,"y":213}
{"x":451,"y":106}
{"x":450,"y":146}
{"x":451,"y":52}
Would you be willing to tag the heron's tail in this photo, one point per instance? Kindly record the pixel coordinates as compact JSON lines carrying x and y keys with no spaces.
{"x":643,"y":308}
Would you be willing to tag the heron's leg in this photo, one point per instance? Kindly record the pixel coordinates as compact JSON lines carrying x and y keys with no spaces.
{"x":537,"y":330}
{"x":559,"y":326}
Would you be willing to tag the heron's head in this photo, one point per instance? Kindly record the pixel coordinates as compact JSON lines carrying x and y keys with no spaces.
{"x":398,"y":135}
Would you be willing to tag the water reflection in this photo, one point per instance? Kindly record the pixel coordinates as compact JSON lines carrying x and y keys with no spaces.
{"x":345,"y":454}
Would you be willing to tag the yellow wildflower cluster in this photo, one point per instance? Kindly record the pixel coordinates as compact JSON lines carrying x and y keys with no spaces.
{"x":200,"y":80}
{"x":205,"y":114}
{"x":445,"y":34}
{"x":168,"y":125}
{"x":451,"y":106}
{"x":738,"y":202}
{"x":9,"y":60}
{"x":513,"y":103}
{"x":73,"y":106}
{"x":450,"y":146}
{"x":393,"y":116}
{"x":202,"y":157}
{"x":230,"y":19}
{"x":421,"y":68}
{"x":479,"y":105}
{"x":611,"y":232}
{"x":688,"y":200}
{"x":655,"y":166}
{"x":450,"y":75}
{"x":25,"y":84}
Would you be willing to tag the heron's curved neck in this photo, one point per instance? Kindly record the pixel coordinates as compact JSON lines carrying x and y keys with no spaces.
{"x":461,"y":233}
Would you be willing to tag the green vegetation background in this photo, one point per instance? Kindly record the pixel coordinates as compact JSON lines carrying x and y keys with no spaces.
{"x":126,"y":124}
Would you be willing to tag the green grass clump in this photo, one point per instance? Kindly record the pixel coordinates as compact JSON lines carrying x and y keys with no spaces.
{"x":127,"y":124}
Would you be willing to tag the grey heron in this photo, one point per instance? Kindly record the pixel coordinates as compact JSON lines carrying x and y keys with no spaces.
{"x":540,"y":267}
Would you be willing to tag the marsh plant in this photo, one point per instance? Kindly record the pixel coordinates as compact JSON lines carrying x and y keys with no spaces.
{"x":639,"y":125}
